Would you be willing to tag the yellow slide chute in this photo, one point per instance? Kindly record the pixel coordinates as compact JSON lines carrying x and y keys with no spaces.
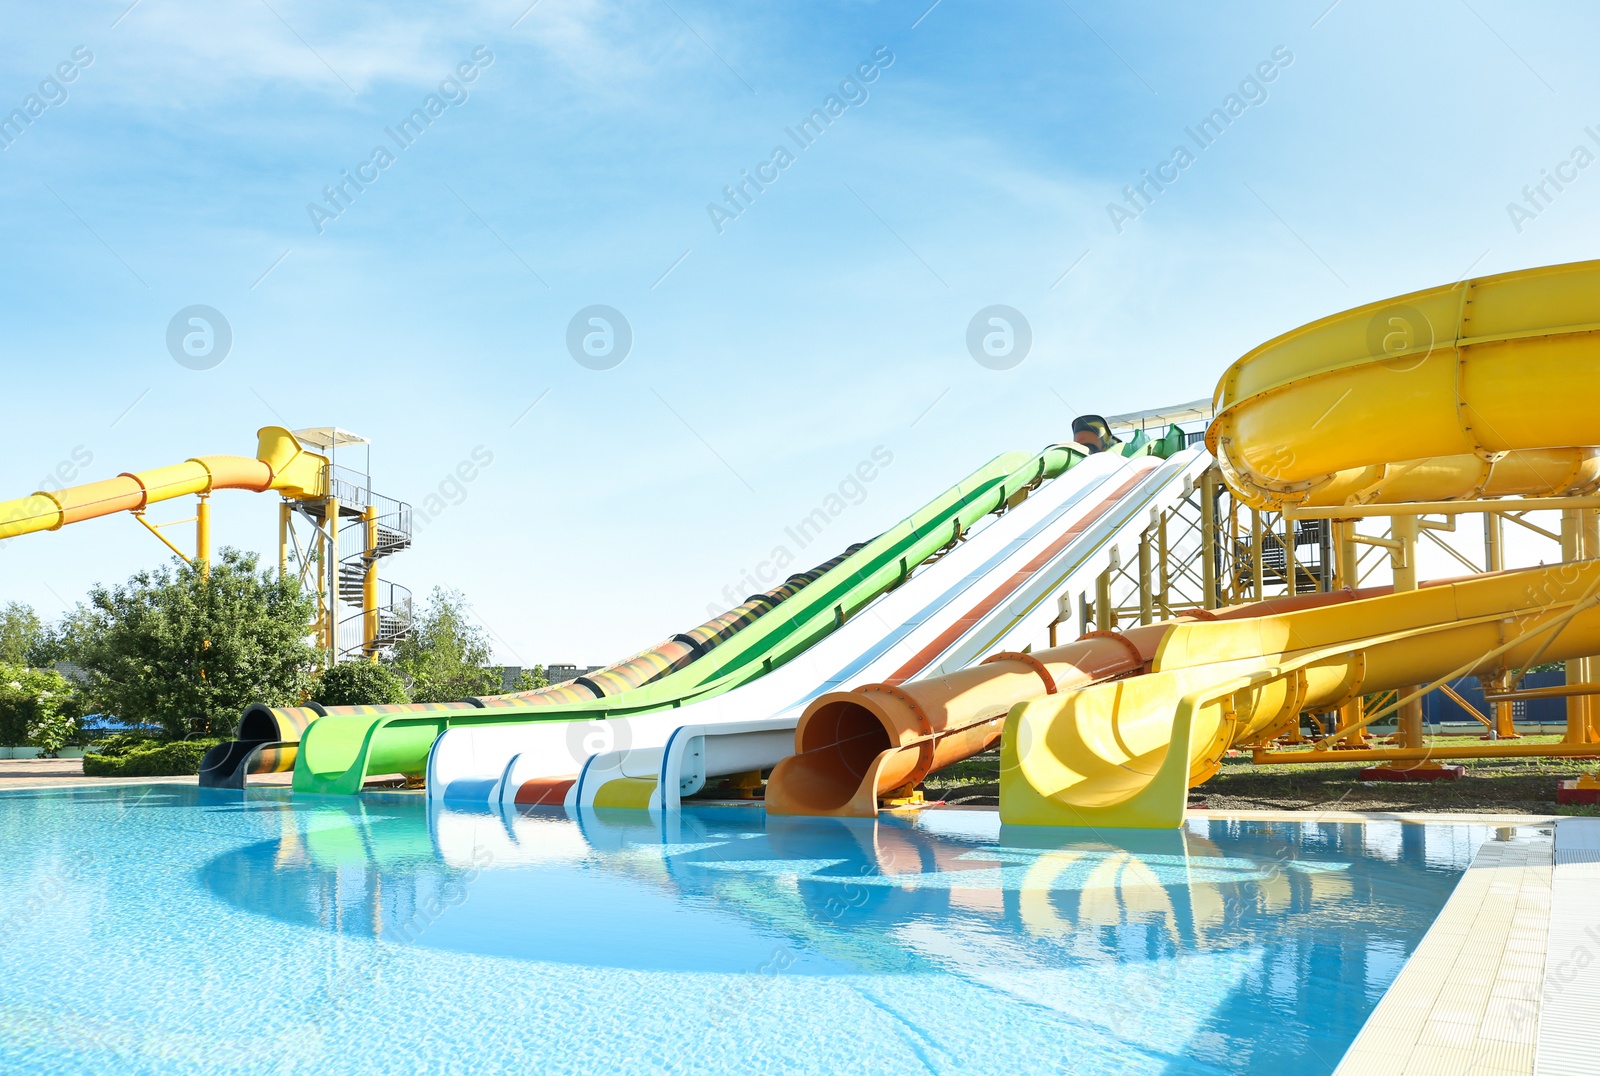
{"x":281,"y":465}
{"x":1474,"y":390}
{"x":1479,"y":389}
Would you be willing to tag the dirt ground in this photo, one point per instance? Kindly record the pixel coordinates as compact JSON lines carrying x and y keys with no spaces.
{"x":1489,"y":786}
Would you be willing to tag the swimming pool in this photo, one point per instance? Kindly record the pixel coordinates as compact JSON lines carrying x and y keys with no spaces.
{"x":170,"y":929}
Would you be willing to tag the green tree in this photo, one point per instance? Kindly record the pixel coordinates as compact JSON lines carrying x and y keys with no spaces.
{"x":188,"y":652}
{"x":531,"y":679}
{"x":38,"y":708}
{"x":359,"y":683}
{"x":445,"y":657}
{"x":22,"y":634}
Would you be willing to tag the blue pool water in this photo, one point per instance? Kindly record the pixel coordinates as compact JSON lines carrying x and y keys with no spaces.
{"x":166,"y":929}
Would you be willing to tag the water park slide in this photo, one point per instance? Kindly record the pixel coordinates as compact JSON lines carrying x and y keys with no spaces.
{"x":473,"y":765}
{"x":1487,"y":390}
{"x":268,"y":738}
{"x":337,"y":753}
{"x":968,"y":602}
{"x":281,"y":465}
{"x":853,"y":748}
{"x":1001,"y":602}
{"x":482,"y":764}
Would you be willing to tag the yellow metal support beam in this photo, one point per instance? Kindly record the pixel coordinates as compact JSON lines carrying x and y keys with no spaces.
{"x":330,"y":569}
{"x":1557,"y":691}
{"x":1209,"y":544}
{"x":369,"y":584}
{"x":202,"y":535}
{"x":1467,"y":706}
{"x":1105,"y":617}
{"x":1403,"y":561}
{"x":155,"y":529}
{"x":1258,"y":581}
{"x":1146,"y":596}
{"x":283,"y":538}
{"x":1288,"y":554}
{"x":1427,"y":751}
{"x":1507,"y":505}
{"x":1572,"y":549}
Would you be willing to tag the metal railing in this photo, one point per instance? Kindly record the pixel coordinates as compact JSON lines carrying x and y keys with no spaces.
{"x":396,"y":610}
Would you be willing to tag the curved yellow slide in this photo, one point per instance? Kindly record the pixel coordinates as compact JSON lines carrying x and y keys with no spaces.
{"x":281,"y":465}
{"x":1479,"y":389}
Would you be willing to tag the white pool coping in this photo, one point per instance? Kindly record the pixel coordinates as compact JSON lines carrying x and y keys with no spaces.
{"x":1506,"y":980}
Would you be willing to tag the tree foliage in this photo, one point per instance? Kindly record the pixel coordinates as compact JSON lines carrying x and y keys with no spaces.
{"x":359,"y":683}
{"x":531,"y":679}
{"x":37,"y":708}
{"x":187,"y":652}
{"x":446,"y":657}
{"x":22,"y":635}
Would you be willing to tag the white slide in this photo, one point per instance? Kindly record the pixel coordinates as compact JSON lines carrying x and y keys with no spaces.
{"x":1004,"y":600}
{"x":483,"y":765}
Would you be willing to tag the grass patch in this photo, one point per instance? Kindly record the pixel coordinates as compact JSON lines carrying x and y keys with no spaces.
{"x":126,"y":755}
{"x":1489,"y":786}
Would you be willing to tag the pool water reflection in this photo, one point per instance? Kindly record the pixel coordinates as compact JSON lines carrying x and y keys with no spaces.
{"x":292,"y":932}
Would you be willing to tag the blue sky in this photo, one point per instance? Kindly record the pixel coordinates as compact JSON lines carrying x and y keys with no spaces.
{"x":769,"y":359}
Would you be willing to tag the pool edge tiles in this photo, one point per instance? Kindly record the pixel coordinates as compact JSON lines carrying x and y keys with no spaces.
{"x":1467,"y":1001}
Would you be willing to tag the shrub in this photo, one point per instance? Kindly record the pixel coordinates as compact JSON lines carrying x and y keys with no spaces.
{"x":37,"y":707}
{"x":131,"y":755}
{"x":359,"y":683}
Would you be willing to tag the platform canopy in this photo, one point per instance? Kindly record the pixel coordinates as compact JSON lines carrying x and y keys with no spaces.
{"x":329,"y":437}
{"x":1193,"y":411}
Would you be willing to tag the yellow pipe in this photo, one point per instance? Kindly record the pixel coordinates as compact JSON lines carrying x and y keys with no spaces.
{"x":282,"y":465}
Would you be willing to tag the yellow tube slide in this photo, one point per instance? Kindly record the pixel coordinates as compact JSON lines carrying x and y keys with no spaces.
{"x":1479,"y":389}
{"x":1125,"y":753}
{"x":281,"y":465}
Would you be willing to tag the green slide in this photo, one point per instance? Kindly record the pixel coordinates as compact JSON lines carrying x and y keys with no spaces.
{"x":338,"y":752}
